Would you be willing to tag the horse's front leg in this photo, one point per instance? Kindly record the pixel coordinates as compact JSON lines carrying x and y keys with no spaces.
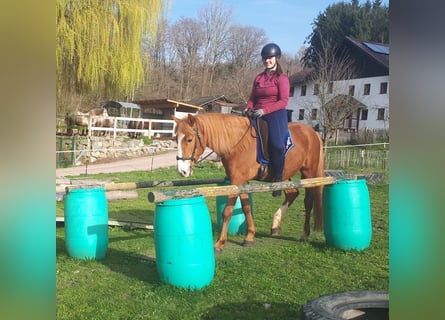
{"x":227,"y":215}
{"x":290,"y":194}
{"x":248,"y":241}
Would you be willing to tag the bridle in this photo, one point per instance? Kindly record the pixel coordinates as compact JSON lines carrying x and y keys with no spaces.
{"x":192,"y":157}
{"x":198,"y":137}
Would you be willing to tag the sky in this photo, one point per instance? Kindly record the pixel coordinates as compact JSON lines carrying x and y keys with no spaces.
{"x":285,"y":22}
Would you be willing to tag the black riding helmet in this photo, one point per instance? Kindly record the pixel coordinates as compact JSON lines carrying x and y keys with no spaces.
{"x":270,"y":50}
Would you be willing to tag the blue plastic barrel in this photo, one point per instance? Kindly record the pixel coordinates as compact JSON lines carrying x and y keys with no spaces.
{"x":237,"y":224}
{"x":86,"y":223}
{"x":184,"y":243}
{"x":347,"y":215}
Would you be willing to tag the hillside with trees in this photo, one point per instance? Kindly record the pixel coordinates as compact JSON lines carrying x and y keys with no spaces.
{"x":100,"y":57}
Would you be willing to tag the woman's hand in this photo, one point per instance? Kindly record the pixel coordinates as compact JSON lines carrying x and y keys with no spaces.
{"x":257,"y":113}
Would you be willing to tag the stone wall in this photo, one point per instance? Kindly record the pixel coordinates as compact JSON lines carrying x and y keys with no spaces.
{"x":103,"y":148}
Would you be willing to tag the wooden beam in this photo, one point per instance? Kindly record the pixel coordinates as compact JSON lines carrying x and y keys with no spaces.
{"x":160,"y":196}
{"x":146,"y":184}
{"x":161,"y":183}
{"x":110,"y":195}
{"x":116,"y":223}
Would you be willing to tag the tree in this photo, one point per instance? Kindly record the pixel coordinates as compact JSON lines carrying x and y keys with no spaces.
{"x":99,"y":44}
{"x":335,"y":106}
{"x":243,"y":58}
{"x":215,"y":23}
{"x":188,"y":39}
{"x":369,"y":22}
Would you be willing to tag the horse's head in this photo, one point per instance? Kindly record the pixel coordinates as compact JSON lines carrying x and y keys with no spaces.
{"x":190,"y":144}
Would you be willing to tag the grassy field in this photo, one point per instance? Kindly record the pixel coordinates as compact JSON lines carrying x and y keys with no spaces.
{"x":271,"y":280}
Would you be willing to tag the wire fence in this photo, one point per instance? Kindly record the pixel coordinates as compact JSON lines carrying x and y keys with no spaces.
{"x":364,"y":156}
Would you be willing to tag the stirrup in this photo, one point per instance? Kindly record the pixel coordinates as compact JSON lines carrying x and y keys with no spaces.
{"x":262,"y":172}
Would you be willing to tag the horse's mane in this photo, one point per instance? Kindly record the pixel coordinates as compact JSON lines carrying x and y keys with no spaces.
{"x":225,"y":132}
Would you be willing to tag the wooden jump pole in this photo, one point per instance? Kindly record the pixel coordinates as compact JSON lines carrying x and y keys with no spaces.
{"x":126,"y":190}
{"x":160,"y":183}
{"x":160,"y":196}
{"x":145,"y":184}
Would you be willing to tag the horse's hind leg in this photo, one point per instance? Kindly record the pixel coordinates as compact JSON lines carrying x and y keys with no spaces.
{"x":290,"y":196}
{"x":308,"y":205}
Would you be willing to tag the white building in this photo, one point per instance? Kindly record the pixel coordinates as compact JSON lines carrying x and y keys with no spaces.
{"x":369,"y":90}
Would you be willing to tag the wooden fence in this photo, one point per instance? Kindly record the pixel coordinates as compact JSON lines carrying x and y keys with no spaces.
{"x":154,"y":127}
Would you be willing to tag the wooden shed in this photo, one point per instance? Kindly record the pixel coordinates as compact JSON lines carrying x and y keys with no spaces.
{"x":165,"y":108}
{"x":123,"y":109}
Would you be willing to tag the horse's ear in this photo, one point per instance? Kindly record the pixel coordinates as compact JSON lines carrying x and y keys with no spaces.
{"x":191,"y":120}
{"x":175,"y":119}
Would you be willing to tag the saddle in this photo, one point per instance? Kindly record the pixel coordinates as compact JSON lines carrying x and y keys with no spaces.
{"x":263,"y":157}
{"x":262,"y":130}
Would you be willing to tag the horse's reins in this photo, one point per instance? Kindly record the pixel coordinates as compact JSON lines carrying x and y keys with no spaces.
{"x":192,"y":157}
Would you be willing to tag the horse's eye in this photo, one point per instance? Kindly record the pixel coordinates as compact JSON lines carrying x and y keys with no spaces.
{"x":189,"y":140}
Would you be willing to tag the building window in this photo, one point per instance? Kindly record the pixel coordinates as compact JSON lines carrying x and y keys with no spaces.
{"x":367,"y":89}
{"x":316,"y":89}
{"x":351,"y":90}
{"x":381,"y":114}
{"x":301,"y":114}
{"x":364,"y":114}
{"x":291,"y":91}
{"x":383,"y":87}
{"x":303,"y":90}
{"x":314,"y":114}
{"x":330,"y":87}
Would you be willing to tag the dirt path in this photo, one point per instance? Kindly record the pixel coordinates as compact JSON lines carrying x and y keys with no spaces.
{"x":148,"y":163}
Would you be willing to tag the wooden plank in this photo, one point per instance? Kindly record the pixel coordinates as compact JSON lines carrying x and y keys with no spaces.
{"x":110,"y":195}
{"x":116,"y":223}
{"x":160,"y":196}
{"x":119,"y":195}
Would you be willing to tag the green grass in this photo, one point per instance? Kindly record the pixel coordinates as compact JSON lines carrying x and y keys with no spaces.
{"x":281,"y":272}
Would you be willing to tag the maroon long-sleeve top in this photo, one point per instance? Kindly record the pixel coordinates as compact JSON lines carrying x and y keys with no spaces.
{"x":269,"y":93}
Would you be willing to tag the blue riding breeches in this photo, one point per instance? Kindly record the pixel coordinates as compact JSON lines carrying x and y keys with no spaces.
{"x":277,"y":128}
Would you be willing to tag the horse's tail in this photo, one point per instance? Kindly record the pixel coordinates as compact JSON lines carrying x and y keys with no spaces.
{"x":318,"y":191}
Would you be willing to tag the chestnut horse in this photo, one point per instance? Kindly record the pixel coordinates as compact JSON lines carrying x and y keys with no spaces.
{"x":233,"y":138}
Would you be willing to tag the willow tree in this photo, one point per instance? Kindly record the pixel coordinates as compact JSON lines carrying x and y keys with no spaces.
{"x":99,"y":44}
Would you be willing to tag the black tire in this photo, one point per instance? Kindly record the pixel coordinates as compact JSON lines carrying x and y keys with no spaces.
{"x":331,"y":307}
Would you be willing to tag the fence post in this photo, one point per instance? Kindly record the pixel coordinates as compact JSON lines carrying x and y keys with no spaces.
{"x":73,"y":154}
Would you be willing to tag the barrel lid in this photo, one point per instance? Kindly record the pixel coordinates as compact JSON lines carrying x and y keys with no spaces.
{"x":350,"y":181}
{"x":85,"y":188}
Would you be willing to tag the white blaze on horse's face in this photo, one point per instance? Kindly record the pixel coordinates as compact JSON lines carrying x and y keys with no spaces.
{"x":184,"y":166}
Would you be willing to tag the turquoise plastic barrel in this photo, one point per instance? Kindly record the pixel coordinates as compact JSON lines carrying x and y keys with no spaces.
{"x":237,"y":224}
{"x":184,"y":243}
{"x":347,"y":215}
{"x":86,"y":223}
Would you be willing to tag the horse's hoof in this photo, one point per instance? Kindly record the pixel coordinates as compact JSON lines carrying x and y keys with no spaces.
{"x":275,"y":231}
{"x":304,"y":238}
{"x":248,"y":243}
{"x":217,"y":251}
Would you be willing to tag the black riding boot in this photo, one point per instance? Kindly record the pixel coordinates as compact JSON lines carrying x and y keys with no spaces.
{"x":276,"y":193}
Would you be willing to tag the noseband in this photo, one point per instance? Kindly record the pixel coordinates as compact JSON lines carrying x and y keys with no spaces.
{"x":192,"y":157}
